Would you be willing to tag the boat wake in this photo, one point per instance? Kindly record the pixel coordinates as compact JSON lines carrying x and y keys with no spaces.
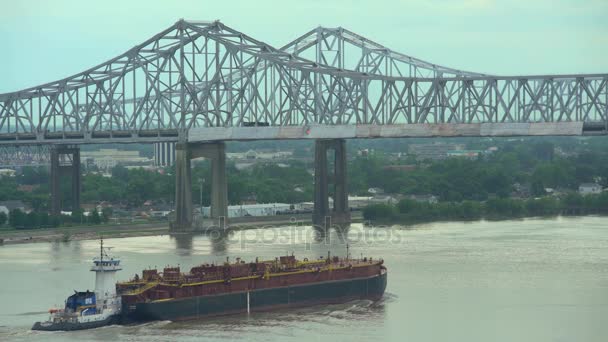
{"x":32,"y":313}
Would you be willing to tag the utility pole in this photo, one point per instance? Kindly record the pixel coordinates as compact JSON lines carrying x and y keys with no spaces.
{"x":202,"y":180}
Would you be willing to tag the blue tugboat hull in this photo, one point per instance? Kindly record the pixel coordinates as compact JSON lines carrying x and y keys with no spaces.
{"x":69,"y":326}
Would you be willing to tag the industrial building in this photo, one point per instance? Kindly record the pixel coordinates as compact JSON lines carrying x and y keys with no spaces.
{"x":106,"y":159}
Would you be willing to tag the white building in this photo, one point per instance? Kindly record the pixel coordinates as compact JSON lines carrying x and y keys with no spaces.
{"x":259,"y":155}
{"x":109,"y":158}
{"x":589,"y":188}
{"x":356,"y":202}
{"x":432,"y":199}
{"x":261,"y":209}
{"x":7,"y":173}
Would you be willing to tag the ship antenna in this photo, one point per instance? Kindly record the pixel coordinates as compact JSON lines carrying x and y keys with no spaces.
{"x":101,"y":250}
{"x":347,"y":251}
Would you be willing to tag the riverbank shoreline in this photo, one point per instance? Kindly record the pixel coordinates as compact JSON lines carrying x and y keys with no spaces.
{"x":398,"y":221}
{"x":65,"y":234}
{"x":11,"y":237}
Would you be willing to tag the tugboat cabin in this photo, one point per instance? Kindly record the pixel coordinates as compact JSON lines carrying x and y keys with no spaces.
{"x":81,"y":302}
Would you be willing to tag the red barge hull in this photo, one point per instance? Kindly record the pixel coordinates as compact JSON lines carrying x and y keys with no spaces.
{"x":254,"y":287}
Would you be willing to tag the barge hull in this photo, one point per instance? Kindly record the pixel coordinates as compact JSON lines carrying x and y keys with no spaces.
{"x":327,"y":292}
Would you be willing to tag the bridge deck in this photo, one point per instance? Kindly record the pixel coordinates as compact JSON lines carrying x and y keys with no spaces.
{"x":385,"y":131}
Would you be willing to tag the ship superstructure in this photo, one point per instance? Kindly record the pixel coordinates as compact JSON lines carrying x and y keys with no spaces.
{"x":90,"y":309}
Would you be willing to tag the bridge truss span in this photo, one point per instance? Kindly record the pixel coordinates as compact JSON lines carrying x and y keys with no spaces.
{"x":344,"y":49}
{"x":207,"y":75}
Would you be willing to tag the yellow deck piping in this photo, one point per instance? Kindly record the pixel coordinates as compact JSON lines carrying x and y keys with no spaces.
{"x":162,"y":300}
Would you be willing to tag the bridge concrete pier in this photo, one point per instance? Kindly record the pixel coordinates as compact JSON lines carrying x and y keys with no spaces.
{"x":340,"y":213}
{"x":61,"y":167}
{"x":184,"y":152}
{"x":183,"y":189}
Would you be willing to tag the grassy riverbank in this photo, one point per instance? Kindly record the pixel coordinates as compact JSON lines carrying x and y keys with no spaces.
{"x":11,"y":235}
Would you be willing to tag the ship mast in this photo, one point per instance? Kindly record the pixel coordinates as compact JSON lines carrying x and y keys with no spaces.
{"x":105,"y":270}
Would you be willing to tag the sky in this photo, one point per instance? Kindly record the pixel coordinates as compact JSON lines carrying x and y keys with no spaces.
{"x":46,"y":40}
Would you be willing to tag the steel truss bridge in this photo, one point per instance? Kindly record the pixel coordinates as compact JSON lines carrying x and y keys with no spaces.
{"x":202,"y":81}
{"x":27,"y":155}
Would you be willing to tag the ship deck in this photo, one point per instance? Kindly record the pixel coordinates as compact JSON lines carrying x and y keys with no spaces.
{"x":212,"y":279}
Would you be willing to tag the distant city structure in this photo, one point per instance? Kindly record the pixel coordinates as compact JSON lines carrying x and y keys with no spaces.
{"x":106,"y":159}
{"x":6,"y":206}
{"x":18,"y":156}
{"x":438,"y":151}
{"x":434,"y":151}
{"x":589,"y":189}
{"x":7,"y":173}
{"x":469,"y":154}
{"x":405,"y":167}
{"x":243,"y":160}
{"x":164,"y":153}
{"x":432,"y":199}
{"x":259,"y":209}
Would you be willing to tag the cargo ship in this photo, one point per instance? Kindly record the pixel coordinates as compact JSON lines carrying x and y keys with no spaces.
{"x":90,"y":309}
{"x":216,"y":289}
{"x":244,"y":287}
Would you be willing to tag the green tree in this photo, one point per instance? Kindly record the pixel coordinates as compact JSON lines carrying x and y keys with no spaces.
{"x":95,"y":218}
{"x":537,"y":188}
{"x":379,"y":212}
{"x":34,"y":175}
{"x":406,"y":206}
{"x":542,"y":206}
{"x":543,"y":150}
{"x":16,"y":218}
{"x":573,"y":201}
{"x":54,"y":221}
{"x":77,"y":216}
{"x":471,"y":210}
{"x":106,"y":213}
{"x":31,"y":220}
{"x":120,"y":173}
{"x":3,"y":218}
{"x":8,"y":189}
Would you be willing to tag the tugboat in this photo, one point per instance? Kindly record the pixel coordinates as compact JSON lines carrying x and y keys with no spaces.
{"x":216,"y":289}
{"x":87,"y":310}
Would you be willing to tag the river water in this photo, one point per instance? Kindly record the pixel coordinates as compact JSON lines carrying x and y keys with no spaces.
{"x":523,"y":280}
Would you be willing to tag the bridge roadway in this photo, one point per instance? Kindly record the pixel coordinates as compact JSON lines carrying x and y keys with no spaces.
{"x":203,"y":83}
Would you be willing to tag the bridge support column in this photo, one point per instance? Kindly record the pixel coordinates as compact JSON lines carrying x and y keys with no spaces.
{"x":216,"y":152}
{"x":340,"y":215}
{"x":61,"y":166}
{"x":321,"y":205}
{"x":219,"y":182}
{"x":183,"y":189}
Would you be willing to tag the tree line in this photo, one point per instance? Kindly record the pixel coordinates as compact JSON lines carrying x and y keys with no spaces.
{"x":410,"y":211}
{"x":529,"y":164}
{"x":35,"y":220}
{"x":533,"y":167}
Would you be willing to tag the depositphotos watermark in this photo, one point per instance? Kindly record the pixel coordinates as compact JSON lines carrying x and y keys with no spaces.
{"x":307,"y":235}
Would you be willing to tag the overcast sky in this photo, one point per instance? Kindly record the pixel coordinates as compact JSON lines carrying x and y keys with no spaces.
{"x":46,"y":40}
